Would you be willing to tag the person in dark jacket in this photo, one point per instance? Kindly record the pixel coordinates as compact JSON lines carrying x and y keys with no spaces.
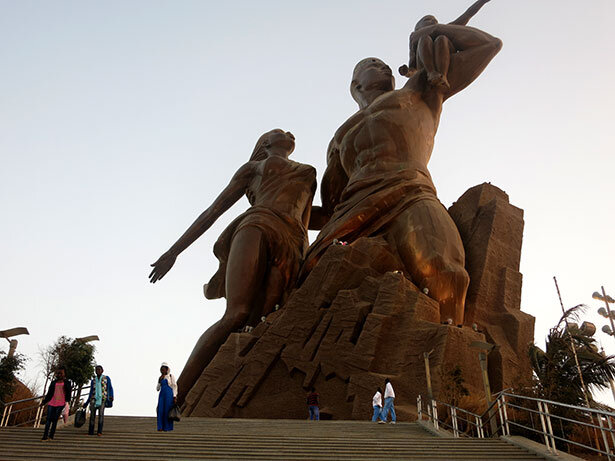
{"x":58,"y":395}
{"x":101,"y":396}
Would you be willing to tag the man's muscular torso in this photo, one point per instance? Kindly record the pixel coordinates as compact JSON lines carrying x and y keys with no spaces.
{"x":396,"y":131}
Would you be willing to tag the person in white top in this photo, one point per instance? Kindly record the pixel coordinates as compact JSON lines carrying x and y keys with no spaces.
{"x":389,"y":398}
{"x":377,"y":404}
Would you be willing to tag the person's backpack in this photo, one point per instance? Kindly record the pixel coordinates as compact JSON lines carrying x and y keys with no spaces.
{"x":80,"y":417}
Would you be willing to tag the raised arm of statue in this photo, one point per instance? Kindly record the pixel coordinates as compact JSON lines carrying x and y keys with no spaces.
{"x":233,"y":192}
{"x":473,"y":51}
{"x":467,"y":15}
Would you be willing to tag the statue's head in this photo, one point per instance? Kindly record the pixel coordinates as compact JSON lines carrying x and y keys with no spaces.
{"x":274,"y":142}
{"x":371,"y":78}
{"x":426,"y":21}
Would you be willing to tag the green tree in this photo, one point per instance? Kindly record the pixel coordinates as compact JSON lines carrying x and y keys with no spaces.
{"x":74,"y":355}
{"x":556,"y":374}
{"x":9,"y":366}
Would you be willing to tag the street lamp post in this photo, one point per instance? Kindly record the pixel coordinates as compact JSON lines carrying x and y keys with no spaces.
{"x":13,"y":342}
{"x":608,"y":314}
{"x":484,"y":349}
{"x":428,"y":379}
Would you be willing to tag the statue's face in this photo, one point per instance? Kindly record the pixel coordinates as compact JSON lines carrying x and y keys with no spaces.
{"x":281,"y":140}
{"x":371,"y":78}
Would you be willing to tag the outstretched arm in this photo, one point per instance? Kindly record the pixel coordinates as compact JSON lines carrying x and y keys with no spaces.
{"x":331,"y":187}
{"x":465,"y":17}
{"x":233,"y":192}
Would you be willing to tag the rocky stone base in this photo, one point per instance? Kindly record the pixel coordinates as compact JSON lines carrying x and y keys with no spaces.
{"x":358,"y":319}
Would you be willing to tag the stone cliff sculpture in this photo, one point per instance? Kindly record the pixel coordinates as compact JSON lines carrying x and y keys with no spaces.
{"x":260,"y":252}
{"x":377,"y":182}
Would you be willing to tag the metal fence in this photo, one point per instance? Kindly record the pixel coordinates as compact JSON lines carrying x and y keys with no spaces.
{"x":12,"y":411}
{"x":560,"y":426}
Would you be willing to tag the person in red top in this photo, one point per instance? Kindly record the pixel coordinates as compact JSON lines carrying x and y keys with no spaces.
{"x":57,"y":396}
{"x":312,"y":403}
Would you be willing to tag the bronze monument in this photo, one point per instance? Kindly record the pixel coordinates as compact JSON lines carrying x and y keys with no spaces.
{"x":260,"y":252}
{"x":377,"y":182}
{"x":353,"y":314}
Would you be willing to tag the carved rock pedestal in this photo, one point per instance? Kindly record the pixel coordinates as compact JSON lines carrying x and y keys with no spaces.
{"x":492,"y":233}
{"x":357,"y":319}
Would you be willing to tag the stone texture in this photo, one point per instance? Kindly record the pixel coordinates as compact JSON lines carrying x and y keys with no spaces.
{"x":355,"y":321}
{"x":492,"y":232}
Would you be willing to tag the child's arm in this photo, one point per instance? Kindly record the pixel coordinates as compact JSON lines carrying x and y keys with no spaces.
{"x":465,"y":17}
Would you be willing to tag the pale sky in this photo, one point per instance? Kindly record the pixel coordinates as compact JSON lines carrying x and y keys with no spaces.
{"x":121,"y":121}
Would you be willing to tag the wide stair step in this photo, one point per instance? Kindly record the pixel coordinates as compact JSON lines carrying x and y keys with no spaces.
{"x":128,"y":438}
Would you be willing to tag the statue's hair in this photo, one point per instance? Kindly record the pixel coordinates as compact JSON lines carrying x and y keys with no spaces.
{"x":260,"y":149}
{"x":259,"y":153}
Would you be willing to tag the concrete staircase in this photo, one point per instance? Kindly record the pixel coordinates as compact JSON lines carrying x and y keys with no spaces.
{"x":134,"y":438}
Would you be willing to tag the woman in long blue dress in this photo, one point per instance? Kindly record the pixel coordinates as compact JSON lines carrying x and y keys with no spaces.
{"x":167,"y":397}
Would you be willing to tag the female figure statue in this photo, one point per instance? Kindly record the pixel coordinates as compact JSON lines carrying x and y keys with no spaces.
{"x":260,"y":252}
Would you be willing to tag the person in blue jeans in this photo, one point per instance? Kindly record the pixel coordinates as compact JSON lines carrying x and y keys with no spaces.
{"x":312,"y":402}
{"x":101,"y":397}
{"x":58,"y":395}
{"x":377,"y":404}
{"x":389,"y":405}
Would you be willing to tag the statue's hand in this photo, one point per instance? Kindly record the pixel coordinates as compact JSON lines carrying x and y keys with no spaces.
{"x":162,"y":266}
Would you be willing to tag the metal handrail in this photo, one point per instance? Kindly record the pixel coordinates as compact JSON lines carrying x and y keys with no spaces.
{"x":542,"y":410}
{"x":8,"y":411}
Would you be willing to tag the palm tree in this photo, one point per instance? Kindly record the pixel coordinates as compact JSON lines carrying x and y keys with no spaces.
{"x":555,"y":369}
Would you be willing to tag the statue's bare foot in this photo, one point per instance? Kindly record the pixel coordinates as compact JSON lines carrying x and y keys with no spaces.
{"x":437,"y":80}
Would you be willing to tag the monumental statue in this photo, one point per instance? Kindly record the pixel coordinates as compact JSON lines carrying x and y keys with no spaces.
{"x":377,"y":182}
{"x":410,"y":277}
{"x":260,"y":252}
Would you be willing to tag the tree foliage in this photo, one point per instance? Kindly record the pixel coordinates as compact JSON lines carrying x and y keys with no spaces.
{"x":555,"y":370}
{"x":9,"y":367}
{"x":454,"y":389}
{"x":74,"y":355}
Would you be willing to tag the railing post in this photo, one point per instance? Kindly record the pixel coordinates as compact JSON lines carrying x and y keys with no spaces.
{"x":506,"y":427}
{"x":607,"y":448}
{"x":419,"y":408}
{"x":39,"y":416}
{"x":434,"y":411}
{"x":501,"y":415}
{"x":5,"y":415}
{"x":479,"y":427}
{"x":549,"y":427}
{"x":454,"y":418}
{"x":608,"y":420}
{"x":544,"y":426}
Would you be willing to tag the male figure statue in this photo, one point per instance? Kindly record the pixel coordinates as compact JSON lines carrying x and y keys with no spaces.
{"x":377,"y":182}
